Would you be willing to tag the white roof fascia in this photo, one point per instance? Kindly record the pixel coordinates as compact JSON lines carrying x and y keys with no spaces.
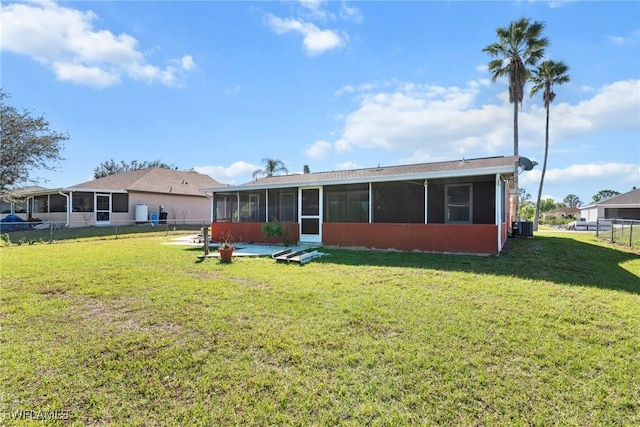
{"x":93,"y":190}
{"x":362,"y":180}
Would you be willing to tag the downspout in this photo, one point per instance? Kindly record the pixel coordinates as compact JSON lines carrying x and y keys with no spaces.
{"x":499,"y":208}
{"x":68,"y":208}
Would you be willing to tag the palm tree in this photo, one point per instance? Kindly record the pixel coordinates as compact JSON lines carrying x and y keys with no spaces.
{"x":271,"y":167}
{"x":519,"y":47}
{"x":549,"y":73}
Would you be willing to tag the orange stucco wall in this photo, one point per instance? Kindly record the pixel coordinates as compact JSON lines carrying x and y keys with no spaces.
{"x":250,"y":231}
{"x":477,"y":238}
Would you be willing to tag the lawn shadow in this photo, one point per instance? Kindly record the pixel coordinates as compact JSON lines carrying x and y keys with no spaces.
{"x":555,"y":259}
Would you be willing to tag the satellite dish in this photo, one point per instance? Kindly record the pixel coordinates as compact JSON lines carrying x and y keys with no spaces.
{"x":526,"y":164}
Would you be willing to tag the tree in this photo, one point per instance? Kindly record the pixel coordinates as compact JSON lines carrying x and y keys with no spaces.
{"x":519,"y":47}
{"x":572,"y":201}
{"x":549,"y":73}
{"x":549,"y":204}
{"x":110,"y":167}
{"x":306,"y":169}
{"x":271,"y":167}
{"x":26,"y":144}
{"x":604,"y":195}
{"x":526,"y":209}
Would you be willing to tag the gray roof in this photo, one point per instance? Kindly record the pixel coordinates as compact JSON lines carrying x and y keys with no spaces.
{"x":630,"y":198}
{"x":464,"y":167}
{"x":154,"y":180}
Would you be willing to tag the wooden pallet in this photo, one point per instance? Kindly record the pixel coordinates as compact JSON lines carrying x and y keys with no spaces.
{"x":289,"y":255}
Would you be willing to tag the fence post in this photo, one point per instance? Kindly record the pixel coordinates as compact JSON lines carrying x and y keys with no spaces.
{"x":613,"y":223}
{"x":50,"y":232}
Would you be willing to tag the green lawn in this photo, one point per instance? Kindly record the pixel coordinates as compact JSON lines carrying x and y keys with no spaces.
{"x":135,"y":332}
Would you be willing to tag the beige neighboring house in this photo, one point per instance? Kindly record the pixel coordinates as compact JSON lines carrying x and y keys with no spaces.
{"x":153,"y":196}
{"x":562,"y":213}
{"x":622,"y":206}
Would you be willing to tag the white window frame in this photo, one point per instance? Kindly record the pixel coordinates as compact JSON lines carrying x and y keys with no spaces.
{"x":469,"y":204}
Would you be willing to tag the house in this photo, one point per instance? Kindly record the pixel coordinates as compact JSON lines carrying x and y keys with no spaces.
{"x":139,"y":196}
{"x":461,"y":206}
{"x":623,"y":206}
{"x":561,"y":213}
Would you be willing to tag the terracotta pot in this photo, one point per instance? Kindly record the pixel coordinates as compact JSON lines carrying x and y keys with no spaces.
{"x":225,"y":254}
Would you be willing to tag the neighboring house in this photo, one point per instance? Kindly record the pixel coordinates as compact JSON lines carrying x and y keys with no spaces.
{"x":18,"y":208}
{"x":561,"y":213}
{"x":137,"y":196}
{"x":458,"y":206}
{"x":623,"y":206}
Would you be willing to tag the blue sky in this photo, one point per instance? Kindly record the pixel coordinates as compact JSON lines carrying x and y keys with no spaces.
{"x":217,"y":86}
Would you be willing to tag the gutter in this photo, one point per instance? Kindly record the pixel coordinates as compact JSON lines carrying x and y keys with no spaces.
{"x":68,"y":208}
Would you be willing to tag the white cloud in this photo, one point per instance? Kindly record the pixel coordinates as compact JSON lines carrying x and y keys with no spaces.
{"x":614,"y":106}
{"x":628,"y":40}
{"x":317,"y":150}
{"x":90,"y":76}
{"x":188,"y":63}
{"x":315,"y":40}
{"x":347,"y":165}
{"x":431,"y":123}
{"x":65,"y":40}
{"x":234,"y":90}
{"x":314,"y":8}
{"x":237,"y":171}
{"x":602,"y":175}
{"x":351,"y":13}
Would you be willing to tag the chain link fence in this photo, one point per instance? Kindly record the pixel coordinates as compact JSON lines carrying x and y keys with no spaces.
{"x":620,"y":231}
{"x":50,"y":232}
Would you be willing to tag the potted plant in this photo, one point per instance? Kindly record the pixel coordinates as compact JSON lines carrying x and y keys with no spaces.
{"x":226,"y":246}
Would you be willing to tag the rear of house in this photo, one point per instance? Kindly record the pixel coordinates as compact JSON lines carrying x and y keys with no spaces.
{"x":462,"y":206}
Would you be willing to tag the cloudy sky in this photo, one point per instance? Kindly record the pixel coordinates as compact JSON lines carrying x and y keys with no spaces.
{"x":218,"y":86}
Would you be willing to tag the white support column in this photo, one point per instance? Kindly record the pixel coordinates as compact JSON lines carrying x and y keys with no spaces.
{"x":426,"y":201}
{"x":370,"y":203}
{"x":238,"y":206}
{"x":266,"y":205}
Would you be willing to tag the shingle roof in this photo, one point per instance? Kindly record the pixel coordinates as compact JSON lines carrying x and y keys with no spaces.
{"x":630,"y":198}
{"x":564,"y":211}
{"x":155,"y":180}
{"x":414,"y":171}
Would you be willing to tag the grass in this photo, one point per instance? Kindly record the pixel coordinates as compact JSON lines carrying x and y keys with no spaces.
{"x":134,"y":332}
{"x":33,"y":236}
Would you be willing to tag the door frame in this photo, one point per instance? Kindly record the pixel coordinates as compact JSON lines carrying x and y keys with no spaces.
{"x":310,"y":238}
{"x":96,"y":210}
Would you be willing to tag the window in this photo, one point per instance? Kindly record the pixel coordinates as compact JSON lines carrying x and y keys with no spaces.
{"x":41,"y":204}
{"x":120,"y":202}
{"x":398,"y":202}
{"x":346,"y":203}
{"x":5,"y":207}
{"x":225,"y":207}
{"x":57,"y":203}
{"x":251,"y":207}
{"x":283,"y":205}
{"x":458,"y":204}
{"x":82,"y":202}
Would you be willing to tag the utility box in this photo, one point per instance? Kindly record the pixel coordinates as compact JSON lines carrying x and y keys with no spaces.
{"x":526,"y":229}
